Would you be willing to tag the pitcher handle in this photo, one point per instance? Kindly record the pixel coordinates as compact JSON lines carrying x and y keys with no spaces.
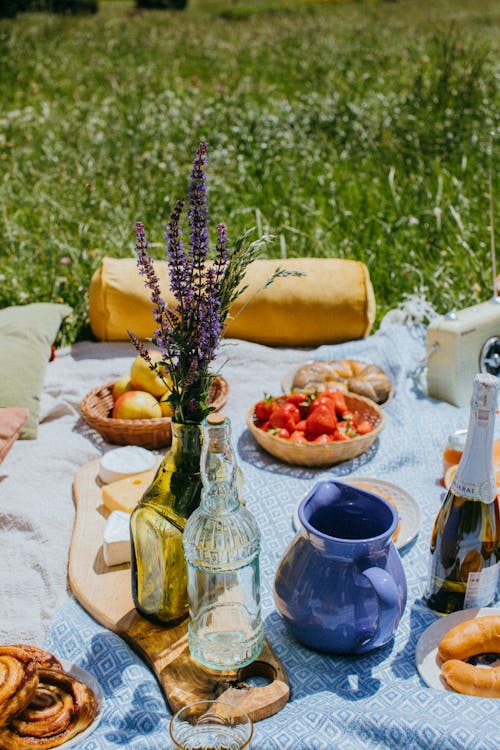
{"x":389,"y":603}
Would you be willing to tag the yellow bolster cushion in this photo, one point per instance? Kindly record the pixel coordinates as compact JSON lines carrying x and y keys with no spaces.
{"x":333,"y":302}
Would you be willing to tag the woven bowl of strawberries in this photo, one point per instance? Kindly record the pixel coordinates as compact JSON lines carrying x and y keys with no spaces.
{"x":315,"y":429}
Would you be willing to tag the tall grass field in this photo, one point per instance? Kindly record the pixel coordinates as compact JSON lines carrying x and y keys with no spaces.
{"x":364,"y":130}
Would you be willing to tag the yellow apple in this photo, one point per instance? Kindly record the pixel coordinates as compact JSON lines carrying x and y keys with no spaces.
{"x":136,"y":405}
{"x":120,"y":386}
{"x":142,"y":378}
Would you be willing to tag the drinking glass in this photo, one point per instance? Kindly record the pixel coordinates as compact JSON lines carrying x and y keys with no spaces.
{"x":211,"y":725}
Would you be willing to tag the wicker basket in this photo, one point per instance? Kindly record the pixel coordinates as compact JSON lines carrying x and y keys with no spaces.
{"x":97,"y":406}
{"x":323,"y":454}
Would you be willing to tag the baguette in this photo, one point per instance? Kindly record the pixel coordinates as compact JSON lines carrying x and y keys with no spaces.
{"x":483,"y":682}
{"x":478,"y":636}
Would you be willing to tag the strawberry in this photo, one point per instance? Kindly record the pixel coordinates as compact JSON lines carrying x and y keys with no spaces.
{"x":364,"y":427}
{"x":337,"y":396}
{"x":346,"y":428}
{"x":322,"y":400}
{"x":301,"y":426}
{"x":262,"y":409}
{"x":301,"y":400}
{"x":298,"y":436}
{"x":337,"y":435}
{"x":282,"y":433}
{"x":285,"y":416}
{"x":321,"y":420}
{"x":324,"y":438}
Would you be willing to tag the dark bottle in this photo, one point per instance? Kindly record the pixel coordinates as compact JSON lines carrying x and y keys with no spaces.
{"x":465,"y":541}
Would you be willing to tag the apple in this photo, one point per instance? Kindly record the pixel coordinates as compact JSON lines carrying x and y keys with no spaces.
{"x":120,"y":386}
{"x":142,"y":378}
{"x":136,"y":405}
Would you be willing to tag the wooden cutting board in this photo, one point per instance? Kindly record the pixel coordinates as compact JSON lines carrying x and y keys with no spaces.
{"x":106,"y":595}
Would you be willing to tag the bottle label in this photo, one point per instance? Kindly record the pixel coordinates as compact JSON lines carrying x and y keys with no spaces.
{"x":482,"y":587}
{"x":485,"y":491}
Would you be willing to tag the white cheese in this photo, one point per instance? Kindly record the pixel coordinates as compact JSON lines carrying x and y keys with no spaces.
{"x":124,"y":462}
{"x":116,"y":538}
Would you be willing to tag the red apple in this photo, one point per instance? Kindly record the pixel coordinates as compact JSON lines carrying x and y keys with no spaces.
{"x":136,"y":405}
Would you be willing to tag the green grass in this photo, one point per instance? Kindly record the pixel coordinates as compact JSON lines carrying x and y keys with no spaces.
{"x":359,"y":130}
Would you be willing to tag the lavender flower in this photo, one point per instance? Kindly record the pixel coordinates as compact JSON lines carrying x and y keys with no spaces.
{"x":198,"y":211}
{"x":188,"y":333}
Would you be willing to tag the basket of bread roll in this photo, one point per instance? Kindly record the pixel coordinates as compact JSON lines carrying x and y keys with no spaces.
{"x":315,"y":428}
{"x":351,"y":375}
{"x":134,"y":410}
{"x":41,"y":705}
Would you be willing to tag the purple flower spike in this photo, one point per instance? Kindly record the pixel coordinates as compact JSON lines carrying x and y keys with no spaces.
{"x":179,"y":262}
{"x":222,"y":252}
{"x":198,"y":210}
{"x":188,"y":333}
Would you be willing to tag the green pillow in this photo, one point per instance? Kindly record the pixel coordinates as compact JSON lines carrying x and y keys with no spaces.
{"x":26,"y":335}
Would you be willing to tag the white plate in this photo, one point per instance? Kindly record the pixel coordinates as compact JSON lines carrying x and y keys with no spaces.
{"x":83,"y":676}
{"x":408,"y":508}
{"x":427,"y":660}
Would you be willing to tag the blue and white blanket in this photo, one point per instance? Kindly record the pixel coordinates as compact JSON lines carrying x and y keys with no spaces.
{"x":371,"y":702}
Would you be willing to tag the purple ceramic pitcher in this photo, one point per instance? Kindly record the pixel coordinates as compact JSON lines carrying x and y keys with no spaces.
{"x":340,"y":585}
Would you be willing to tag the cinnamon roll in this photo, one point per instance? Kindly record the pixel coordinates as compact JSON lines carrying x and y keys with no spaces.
{"x":44,"y":659}
{"x":61,"y":708}
{"x":18,"y":681}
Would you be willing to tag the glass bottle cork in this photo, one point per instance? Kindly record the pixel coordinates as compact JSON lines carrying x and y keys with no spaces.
{"x":465,"y":541}
{"x":221,"y":545}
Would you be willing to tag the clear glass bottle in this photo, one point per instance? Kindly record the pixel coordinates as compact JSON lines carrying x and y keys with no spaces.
{"x":465,"y":541}
{"x":221,"y":545}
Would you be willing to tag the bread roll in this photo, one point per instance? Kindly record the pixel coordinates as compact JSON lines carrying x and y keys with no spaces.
{"x":347,"y":374}
{"x":469,"y":680}
{"x":480,"y":635}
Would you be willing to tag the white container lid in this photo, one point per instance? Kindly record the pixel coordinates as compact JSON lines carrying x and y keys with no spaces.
{"x":457,"y":439}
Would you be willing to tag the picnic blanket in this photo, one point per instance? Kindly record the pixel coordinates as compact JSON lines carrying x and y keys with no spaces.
{"x":351,"y":703}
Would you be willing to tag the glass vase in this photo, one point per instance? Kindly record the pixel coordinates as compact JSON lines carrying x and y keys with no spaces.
{"x":159,"y":576}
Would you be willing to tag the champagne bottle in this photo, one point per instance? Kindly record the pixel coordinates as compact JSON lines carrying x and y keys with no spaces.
{"x":465,"y":541}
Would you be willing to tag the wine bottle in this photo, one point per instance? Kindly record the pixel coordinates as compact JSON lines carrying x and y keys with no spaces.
{"x":465,"y":541}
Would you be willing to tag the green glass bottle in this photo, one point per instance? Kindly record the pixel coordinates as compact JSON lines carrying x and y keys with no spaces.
{"x":465,"y":541}
{"x":159,"y":577}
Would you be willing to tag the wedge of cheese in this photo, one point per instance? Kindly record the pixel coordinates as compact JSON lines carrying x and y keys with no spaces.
{"x":124,"y":494}
{"x":116,"y":539}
